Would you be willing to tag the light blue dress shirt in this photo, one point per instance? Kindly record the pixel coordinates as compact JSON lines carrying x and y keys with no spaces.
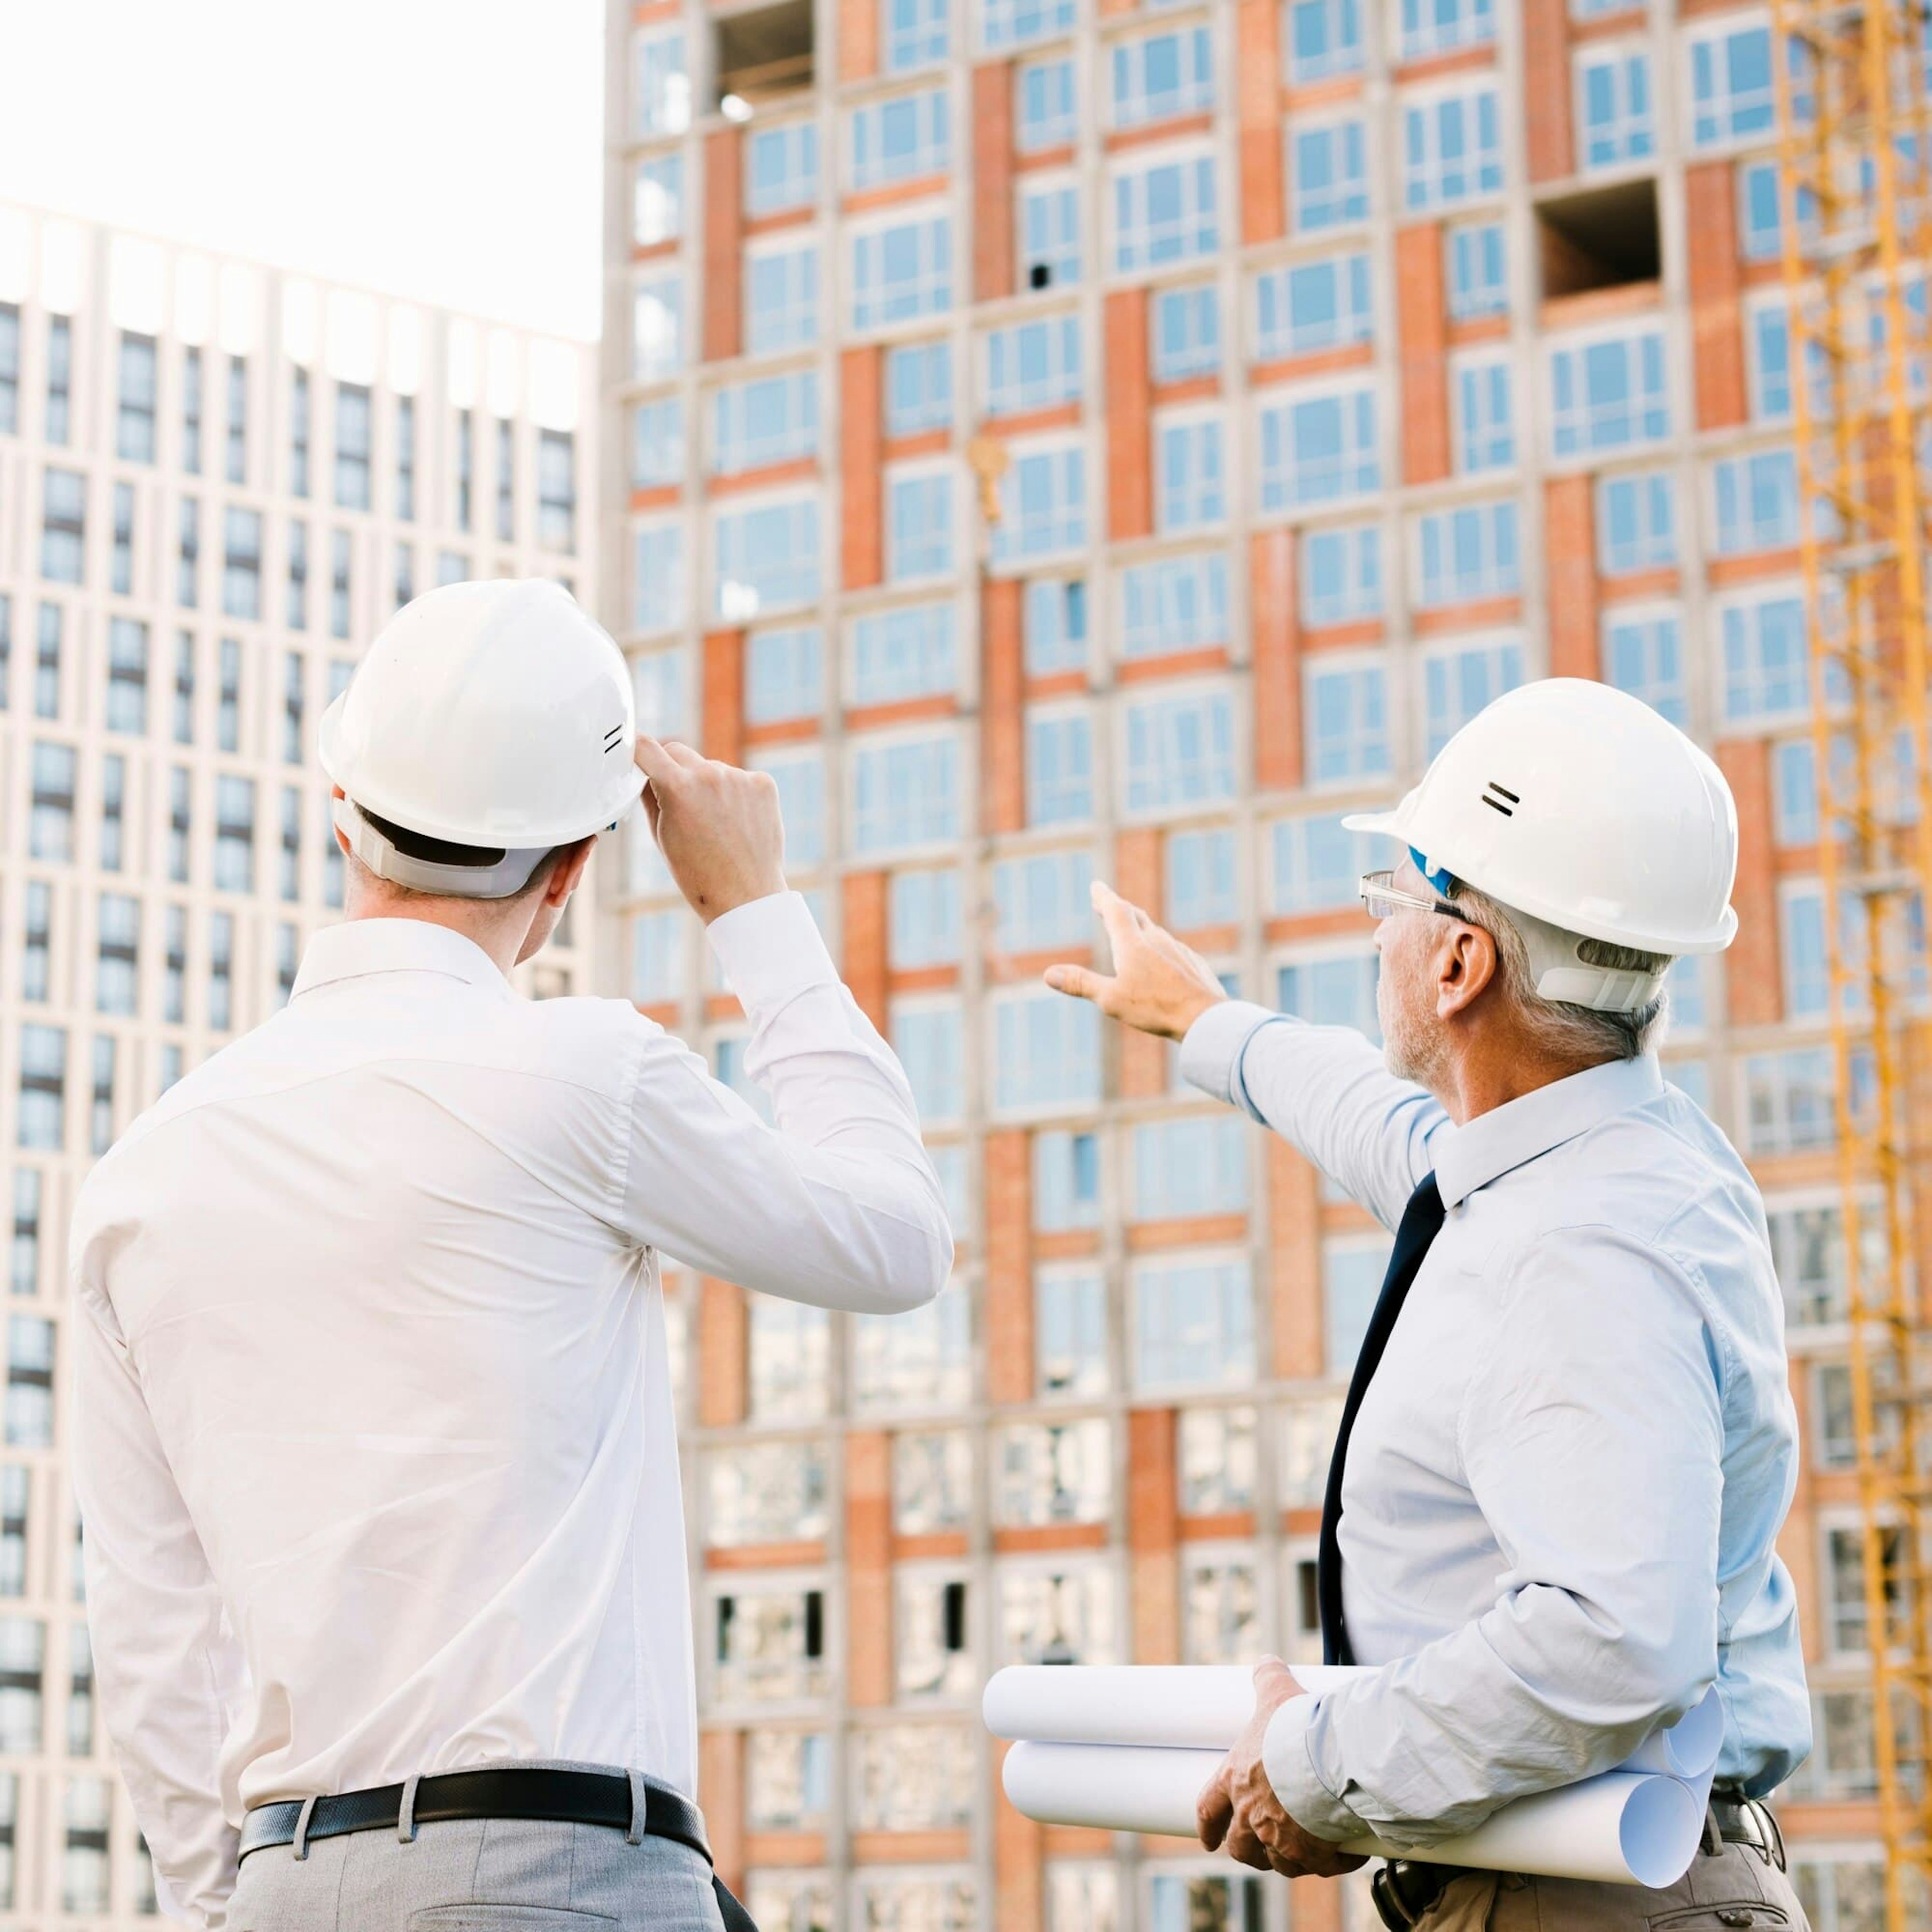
{"x":1566,"y":1482}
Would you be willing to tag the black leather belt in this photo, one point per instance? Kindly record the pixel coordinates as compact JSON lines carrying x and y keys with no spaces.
{"x":1743,"y":1821}
{"x":555,"y":1797}
{"x":560,"y":1797}
{"x":1406,"y":1890}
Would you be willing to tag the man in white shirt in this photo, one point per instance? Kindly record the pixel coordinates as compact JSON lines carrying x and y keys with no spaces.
{"x":375,"y":1444}
{"x":1569,"y":1445}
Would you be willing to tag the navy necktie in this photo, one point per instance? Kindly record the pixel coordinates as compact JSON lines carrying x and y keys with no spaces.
{"x":1421,"y":1220}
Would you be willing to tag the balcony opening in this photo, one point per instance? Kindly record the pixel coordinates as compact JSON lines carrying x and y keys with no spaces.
{"x":1601,"y":237}
{"x":764,"y":53}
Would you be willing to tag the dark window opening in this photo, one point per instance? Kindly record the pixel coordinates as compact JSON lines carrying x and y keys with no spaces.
{"x":763,"y":53}
{"x":1308,"y":1595}
{"x":1603,"y":238}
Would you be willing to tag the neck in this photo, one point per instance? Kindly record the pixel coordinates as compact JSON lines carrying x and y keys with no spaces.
{"x":497,"y":926}
{"x":1487,"y":1074}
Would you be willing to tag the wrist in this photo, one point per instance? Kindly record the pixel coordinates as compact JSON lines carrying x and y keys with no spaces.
{"x":1182,"y":1022}
{"x":715,"y":905}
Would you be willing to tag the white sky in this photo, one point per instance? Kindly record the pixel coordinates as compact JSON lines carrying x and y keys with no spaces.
{"x":446,"y":150}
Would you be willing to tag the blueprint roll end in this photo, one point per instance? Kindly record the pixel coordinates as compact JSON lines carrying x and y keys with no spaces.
{"x":1658,"y":1832}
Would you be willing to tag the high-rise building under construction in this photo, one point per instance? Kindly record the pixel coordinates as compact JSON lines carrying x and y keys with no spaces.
{"x":218,"y":481}
{"x":1060,"y":441}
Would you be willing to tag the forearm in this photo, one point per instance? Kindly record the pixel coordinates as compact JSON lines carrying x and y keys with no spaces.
{"x":1325,"y":1090}
{"x":837,"y":1204}
{"x":162,"y":1718}
{"x":1532,"y":1696}
{"x":166,"y":1668}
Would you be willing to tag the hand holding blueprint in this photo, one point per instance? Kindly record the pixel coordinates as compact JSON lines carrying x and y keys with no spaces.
{"x":1129,"y":1748}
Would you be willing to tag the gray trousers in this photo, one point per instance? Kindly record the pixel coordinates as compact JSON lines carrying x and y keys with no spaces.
{"x":477,"y":1875}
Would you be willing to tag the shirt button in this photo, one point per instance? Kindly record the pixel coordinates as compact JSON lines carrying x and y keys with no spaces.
{"x":1732,"y":1915}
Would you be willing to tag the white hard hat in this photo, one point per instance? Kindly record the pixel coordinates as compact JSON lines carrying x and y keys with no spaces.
{"x":493,"y":716}
{"x":1577,"y":804}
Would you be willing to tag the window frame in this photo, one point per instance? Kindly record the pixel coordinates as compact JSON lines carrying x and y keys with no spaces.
{"x":1374,"y":661}
{"x":934,"y":287}
{"x":1361,"y":463}
{"x":1198,"y":227}
{"x":1648,"y":329}
{"x":1205,"y":693}
{"x":1631,"y":139}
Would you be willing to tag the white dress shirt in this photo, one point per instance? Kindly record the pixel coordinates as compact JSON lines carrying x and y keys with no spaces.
{"x":374,"y":1446}
{"x":1565,"y":1483}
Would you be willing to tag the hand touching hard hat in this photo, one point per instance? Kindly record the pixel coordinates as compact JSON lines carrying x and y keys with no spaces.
{"x":719,"y":828}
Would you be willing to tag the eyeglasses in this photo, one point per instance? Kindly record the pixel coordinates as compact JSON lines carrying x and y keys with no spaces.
{"x":1381,"y":897}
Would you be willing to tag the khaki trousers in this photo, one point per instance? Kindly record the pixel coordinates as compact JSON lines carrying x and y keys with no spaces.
{"x":1723,"y":1891}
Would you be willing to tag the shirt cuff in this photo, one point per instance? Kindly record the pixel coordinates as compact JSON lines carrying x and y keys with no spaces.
{"x":771,"y":950}
{"x":1287,"y":1757}
{"x":1210,"y":1054}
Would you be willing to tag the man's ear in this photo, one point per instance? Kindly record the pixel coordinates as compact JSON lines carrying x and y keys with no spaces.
{"x":1465,"y":964}
{"x":334,"y":792}
{"x":568,"y":873}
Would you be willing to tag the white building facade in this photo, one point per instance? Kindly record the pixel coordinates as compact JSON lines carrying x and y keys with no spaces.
{"x":217,"y":482}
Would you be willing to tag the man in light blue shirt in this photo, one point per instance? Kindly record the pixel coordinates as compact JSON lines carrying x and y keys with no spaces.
{"x":1569,"y":1443}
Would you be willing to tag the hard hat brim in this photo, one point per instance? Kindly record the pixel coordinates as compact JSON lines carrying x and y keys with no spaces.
{"x":1389,"y":823}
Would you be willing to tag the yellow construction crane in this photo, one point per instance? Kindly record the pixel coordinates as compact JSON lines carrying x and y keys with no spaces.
{"x":1856,"y":193}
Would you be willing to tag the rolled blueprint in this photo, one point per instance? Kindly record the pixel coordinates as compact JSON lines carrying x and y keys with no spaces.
{"x":1205,"y":1707}
{"x":1198,"y":1706}
{"x":1622,"y":1827}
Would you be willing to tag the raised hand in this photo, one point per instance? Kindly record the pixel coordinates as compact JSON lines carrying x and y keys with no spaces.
{"x":1157,"y":985}
{"x":718,"y":827}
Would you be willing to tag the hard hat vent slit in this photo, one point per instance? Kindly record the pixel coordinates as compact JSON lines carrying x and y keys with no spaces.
{"x":1495,"y":796}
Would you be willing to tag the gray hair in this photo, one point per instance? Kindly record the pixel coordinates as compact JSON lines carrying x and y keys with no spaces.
{"x":1564,"y":1031}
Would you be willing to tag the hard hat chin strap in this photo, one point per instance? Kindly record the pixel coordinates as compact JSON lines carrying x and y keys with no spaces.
{"x":504,"y":880}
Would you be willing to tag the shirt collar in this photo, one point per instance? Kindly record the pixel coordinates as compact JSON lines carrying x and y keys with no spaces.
{"x":358,"y":947}
{"x":1481,"y":1150}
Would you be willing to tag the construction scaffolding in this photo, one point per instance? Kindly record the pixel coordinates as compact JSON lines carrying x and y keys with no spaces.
{"x":1856,"y":219}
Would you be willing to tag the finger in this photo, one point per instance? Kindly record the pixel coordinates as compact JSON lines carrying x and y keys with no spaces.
{"x":1102,"y":892}
{"x":650,"y":804}
{"x":1116,"y":915}
{"x":1082,"y":982}
{"x":1213,"y":1812}
{"x":1333,"y":1866}
{"x":656,"y":761}
{"x":686,"y":755}
{"x":1245,"y":1848}
{"x":1271,"y":1677}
